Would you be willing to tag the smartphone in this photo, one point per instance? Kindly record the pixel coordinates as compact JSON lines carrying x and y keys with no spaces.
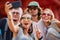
{"x":16,"y":4}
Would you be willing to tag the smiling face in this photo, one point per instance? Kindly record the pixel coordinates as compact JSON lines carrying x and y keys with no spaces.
{"x":16,"y":14}
{"x":26,"y":21}
{"x":33,"y":10}
{"x":46,"y":16}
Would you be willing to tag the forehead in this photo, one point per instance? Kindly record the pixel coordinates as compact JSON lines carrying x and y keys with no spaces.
{"x":26,"y":15}
{"x":47,"y":12}
{"x":19,"y":10}
{"x":14,"y":10}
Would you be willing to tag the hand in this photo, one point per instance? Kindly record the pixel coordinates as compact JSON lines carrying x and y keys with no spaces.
{"x":26,"y":10}
{"x":38,"y":32}
{"x":7,"y":7}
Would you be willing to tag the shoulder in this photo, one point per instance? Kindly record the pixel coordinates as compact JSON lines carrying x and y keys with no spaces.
{"x":51,"y":31}
{"x":3,"y":20}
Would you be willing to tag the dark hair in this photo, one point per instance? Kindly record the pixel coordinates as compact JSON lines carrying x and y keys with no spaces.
{"x":30,"y":29}
{"x":39,"y":12}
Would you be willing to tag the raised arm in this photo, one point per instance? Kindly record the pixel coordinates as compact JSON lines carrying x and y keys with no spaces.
{"x":11,"y":25}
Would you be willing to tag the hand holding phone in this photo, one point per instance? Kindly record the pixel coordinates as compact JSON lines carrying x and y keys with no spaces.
{"x":16,"y":4}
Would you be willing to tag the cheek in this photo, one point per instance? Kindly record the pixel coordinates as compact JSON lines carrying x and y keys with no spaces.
{"x":29,"y":11}
{"x":30,"y":22}
{"x":36,"y":11}
{"x":21,"y":21}
{"x":42,"y":17}
{"x":50,"y":17}
{"x":46,"y":17}
{"x":17,"y":16}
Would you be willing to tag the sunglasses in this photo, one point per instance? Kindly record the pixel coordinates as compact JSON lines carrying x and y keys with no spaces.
{"x":46,"y":14}
{"x":33,"y":7}
{"x":15,"y":13}
{"x":28,"y":18}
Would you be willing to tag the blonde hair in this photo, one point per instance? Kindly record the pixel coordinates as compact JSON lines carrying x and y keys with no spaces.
{"x":49,"y":10}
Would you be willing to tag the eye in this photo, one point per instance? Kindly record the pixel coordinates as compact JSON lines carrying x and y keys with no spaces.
{"x":43,"y":14}
{"x":48,"y":14}
{"x":15,"y":13}
{"x":34,"y":8}
{"x":28,"y":18}
{"x":23,"y":18}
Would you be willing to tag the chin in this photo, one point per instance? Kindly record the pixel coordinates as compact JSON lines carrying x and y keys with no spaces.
{"x":26,"y":26}
{"x":15,"y":23}
{"x":46,"y":21}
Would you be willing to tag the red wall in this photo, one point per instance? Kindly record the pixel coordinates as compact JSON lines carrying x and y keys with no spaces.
{"x":53,"y":4}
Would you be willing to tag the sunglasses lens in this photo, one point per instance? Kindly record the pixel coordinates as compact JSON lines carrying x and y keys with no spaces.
{"x":26,"y":18}
{"x":43,"y":14}
{"x":46,"y":14}
{"x":15,"y":13}
{"x":32,"y":7}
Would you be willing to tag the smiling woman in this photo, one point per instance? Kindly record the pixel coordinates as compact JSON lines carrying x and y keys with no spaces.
{"x":24,"y":31}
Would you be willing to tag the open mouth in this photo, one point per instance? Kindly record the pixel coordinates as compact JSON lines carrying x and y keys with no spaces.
{"x":26,"y":23}
{"x":14,"y":20}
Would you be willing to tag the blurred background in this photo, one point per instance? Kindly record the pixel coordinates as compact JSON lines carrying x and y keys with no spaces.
{"x":52,"y":4}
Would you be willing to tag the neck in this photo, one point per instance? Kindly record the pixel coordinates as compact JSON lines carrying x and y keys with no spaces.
{"x":35,"y":19}
{"x":47,"y":24}
{"x":25,"y":31}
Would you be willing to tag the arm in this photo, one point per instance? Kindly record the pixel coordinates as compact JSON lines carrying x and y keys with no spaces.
{"x":52,"y":34}
{"x":12,"y":27}
{"x":57,"y":22}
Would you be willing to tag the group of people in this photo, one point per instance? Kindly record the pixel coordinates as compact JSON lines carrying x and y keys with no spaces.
{"x":33,"y":23}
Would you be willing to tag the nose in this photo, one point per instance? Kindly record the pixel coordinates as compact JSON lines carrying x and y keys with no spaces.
{"x":26,"y":19}
{"x":15,"y":13}
{"x":46,"y":15}
{"x":32,"y":9}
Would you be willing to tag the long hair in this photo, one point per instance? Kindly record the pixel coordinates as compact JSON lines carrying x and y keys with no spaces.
{"x":51,"y":12}
{"x":30,"y":30}
{"x":39,"y":13}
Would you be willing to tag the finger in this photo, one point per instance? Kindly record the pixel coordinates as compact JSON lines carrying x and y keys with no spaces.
{"x":26,"y":10}
{"x":7,"y":3}
{"x":36,"y":28}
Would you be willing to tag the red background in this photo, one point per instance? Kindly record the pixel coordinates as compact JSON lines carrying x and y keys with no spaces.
{"x":53,"y":4}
